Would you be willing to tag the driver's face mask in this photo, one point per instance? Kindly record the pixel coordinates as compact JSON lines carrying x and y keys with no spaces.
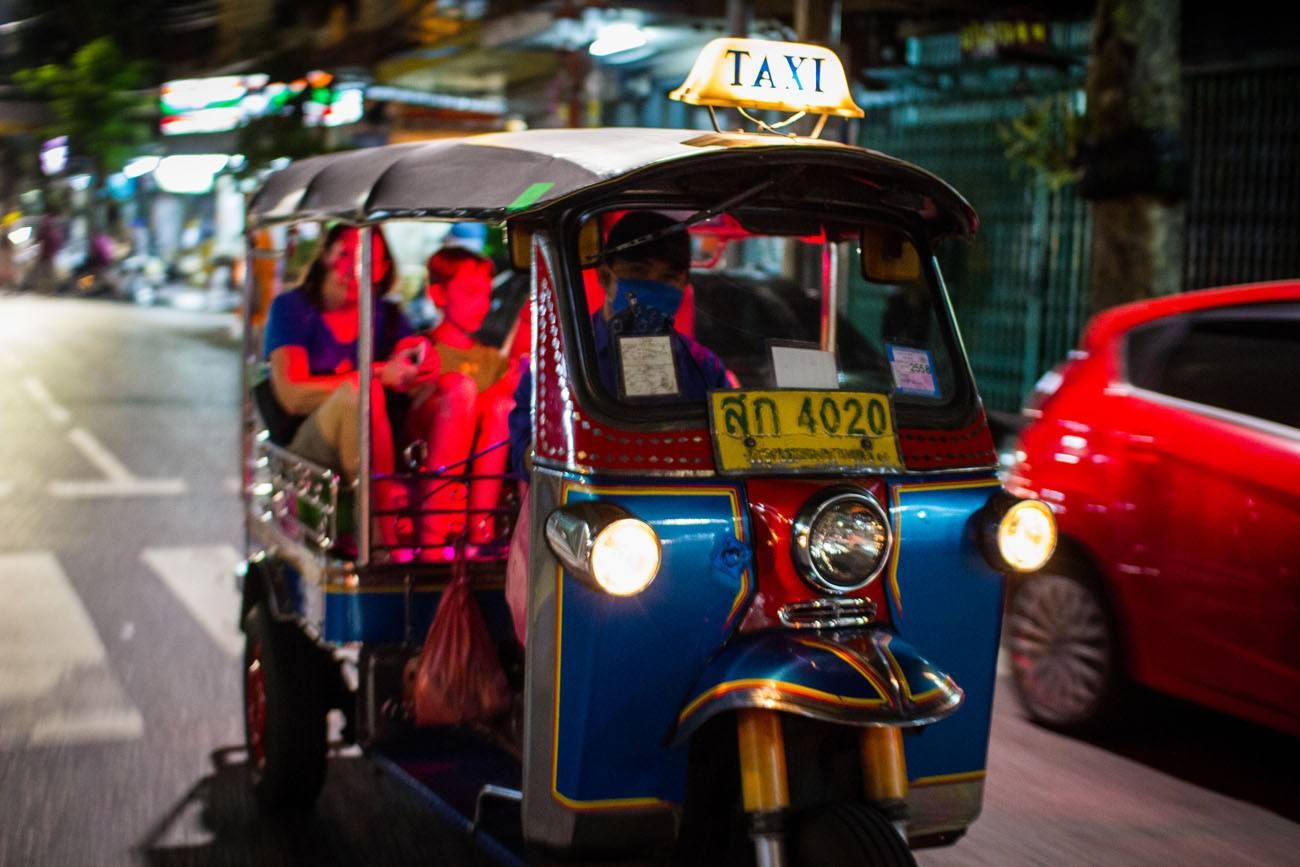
{"x":644,"y":307}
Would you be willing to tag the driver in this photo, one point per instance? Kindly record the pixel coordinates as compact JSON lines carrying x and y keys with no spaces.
{"x":643,"y":286}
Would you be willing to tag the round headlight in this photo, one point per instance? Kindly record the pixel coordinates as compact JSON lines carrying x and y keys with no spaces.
{"x":1026,"y":535}
{"x":841,"y":540}
{"x":625,"y":557}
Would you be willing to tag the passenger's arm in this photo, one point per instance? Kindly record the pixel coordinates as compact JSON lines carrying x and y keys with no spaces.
{"x":293,"y":384}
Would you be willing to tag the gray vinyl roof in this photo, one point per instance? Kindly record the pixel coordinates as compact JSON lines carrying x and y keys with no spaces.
{"x":494,"y":176}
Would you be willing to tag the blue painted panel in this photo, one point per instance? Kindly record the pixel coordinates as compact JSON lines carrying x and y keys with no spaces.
{"x":378,"y":617}
{"x":947,"y":602}
{"x":626,"y":665}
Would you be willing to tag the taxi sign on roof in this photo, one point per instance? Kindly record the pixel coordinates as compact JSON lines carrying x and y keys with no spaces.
{"x":758,"y":74}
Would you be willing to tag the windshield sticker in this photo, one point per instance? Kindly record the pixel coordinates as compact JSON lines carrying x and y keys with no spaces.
{"x":913,"y":370}
{"x":803,"y":367}
{"x":646,"y":365}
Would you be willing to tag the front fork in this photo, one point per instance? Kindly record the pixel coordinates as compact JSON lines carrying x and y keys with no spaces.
{"x":765,"y":789}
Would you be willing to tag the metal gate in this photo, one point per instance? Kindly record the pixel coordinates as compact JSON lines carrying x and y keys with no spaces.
{"x":1242,"y":130}
{"x":1019,"y":288}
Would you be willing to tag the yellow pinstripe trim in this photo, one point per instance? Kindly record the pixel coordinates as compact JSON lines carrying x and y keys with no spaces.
{"x":897,"y":669}
{"x":941,"y":779}
{"x":779,"y":686}
{"x":898,"y":523}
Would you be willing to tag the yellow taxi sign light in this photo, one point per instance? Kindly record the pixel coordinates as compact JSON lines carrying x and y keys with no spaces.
{"x":759,"y":74}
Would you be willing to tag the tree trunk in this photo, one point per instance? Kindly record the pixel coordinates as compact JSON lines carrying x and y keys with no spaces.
{"x":1134,"y":82}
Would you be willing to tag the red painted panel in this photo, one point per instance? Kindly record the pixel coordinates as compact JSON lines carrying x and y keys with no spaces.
{"x":773,"y":506}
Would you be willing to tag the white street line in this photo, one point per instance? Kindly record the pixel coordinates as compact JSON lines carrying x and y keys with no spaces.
{"x":90,"y":489}
{"x":99,"y":455}
{"x":55,"y":685}
{"x":203,"y":579}
{"x":37,"y":391}
{"x":6,"y":488}
{"x":120,"y":482}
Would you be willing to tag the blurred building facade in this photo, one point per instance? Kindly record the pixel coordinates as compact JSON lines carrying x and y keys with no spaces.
{"x":994,"y":104}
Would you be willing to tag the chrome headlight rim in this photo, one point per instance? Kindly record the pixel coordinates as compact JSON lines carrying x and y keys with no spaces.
{"x":807,"y":519}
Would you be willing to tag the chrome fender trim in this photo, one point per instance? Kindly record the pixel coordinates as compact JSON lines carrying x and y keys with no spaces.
{"x":849,"y":677}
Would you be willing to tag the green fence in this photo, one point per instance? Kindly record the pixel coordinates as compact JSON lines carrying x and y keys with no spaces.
{"x":1018,"y":288}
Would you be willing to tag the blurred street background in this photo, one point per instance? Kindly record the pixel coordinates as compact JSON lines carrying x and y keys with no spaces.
{"x":1114,"y":152}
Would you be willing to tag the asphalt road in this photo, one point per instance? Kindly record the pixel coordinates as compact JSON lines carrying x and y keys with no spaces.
{"x":120,"y":725}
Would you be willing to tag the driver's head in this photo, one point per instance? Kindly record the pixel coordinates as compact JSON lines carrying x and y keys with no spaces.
{"x":665,"y":260}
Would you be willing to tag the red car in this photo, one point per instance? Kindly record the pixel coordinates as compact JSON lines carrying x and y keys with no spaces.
{"x":1169,"y":448}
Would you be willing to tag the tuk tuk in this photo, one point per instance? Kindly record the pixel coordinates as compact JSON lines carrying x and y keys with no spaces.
{"x":762,"y":615}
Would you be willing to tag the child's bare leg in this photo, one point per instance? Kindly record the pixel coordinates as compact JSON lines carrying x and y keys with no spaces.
{"x":493,"y":410}
{"x":449,"y":444}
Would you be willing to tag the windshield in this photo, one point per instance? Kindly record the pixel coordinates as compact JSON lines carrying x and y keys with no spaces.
{"x":741,"y":301}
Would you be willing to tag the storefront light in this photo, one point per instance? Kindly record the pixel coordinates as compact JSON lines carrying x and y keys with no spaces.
{"x":188,"y":173}
{"x":140,"y":166}
{"x":613,"y":38}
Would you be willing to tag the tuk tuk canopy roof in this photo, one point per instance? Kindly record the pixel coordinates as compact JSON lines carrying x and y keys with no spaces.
{"x":499,"y":175}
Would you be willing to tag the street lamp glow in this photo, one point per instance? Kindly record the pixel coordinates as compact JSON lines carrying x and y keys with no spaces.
{"x":613,"y":38}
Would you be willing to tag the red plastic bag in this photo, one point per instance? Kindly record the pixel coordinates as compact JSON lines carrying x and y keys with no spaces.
{"x":458,"y":677}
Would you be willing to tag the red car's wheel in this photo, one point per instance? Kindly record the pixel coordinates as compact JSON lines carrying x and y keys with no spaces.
{"x":284,"y":712}
{"x":1064,"y":649}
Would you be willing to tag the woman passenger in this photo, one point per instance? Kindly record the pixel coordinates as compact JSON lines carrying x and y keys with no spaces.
{"x":311,"y":344}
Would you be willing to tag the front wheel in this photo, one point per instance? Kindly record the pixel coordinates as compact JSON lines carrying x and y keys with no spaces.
{"x":284,"y":712}
{"x":848,"y":834}
{"x":1064,"y":650}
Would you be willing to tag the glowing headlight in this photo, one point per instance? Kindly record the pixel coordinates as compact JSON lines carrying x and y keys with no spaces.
{"x":605,"y":546}
{"x":1026,"y":535}
{"x":841,"y":540}
{"x":625,"y":557}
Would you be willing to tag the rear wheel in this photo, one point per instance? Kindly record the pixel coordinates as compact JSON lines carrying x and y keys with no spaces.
{"x":848,"y":834}
{"x":1064,"y":649}
{"x":284,"y":712}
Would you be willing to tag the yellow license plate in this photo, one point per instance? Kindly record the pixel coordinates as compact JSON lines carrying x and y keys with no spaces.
{"x":802,"y":431}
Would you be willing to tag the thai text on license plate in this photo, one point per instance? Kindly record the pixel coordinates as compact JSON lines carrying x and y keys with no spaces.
{"x":802,"y":431}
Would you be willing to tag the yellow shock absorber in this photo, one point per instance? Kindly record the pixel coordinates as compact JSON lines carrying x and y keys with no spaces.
{"x":763,"y":782}
{"x":884,"y":768}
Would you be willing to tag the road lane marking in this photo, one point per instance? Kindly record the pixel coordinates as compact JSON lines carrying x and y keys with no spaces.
{"x":89,"y":489}
{"x":37,"y":391}
{"x":56,"y":685}
{"x":6,"y":488}
{"x":118,"y":481}
{"x":99,"y":455}
{"x":203,"y":579}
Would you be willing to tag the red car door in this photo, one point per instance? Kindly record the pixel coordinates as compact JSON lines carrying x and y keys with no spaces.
{"x":1214,"y":464}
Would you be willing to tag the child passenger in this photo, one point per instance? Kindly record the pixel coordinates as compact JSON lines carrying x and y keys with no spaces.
{"x":462,"y":413}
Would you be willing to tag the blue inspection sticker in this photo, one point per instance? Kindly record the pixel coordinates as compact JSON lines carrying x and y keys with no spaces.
{"x":913,"y":370}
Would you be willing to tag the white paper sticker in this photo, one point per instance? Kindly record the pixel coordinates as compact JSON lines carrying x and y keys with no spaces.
{"x":913,"y":370}
{"x":804,"y":367}
{"x":648,"y":369}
